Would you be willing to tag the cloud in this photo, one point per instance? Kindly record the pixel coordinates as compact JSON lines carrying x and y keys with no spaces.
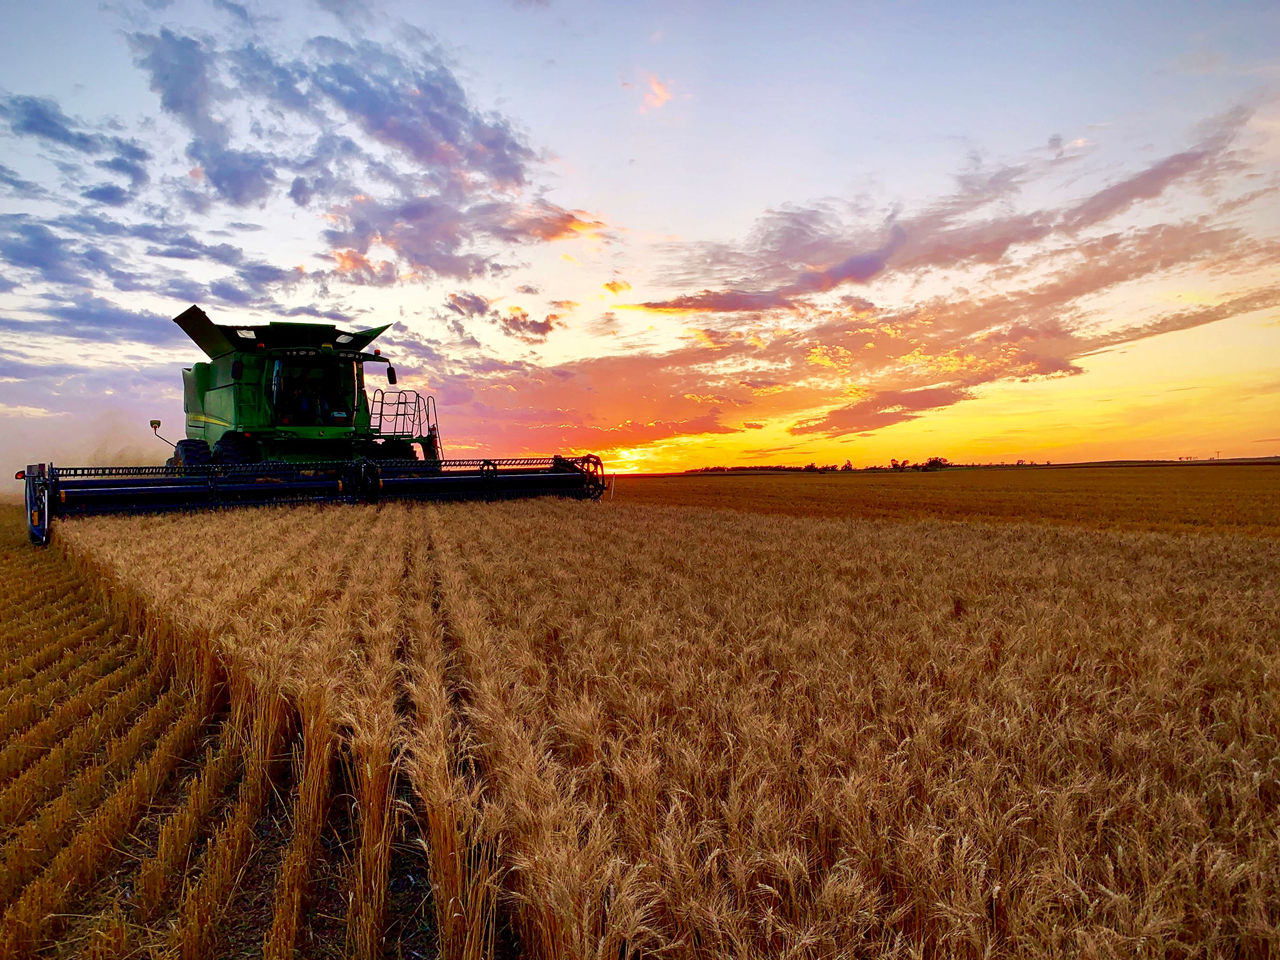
{"x":539,"y":220}
{"x":883,"y":409}
{"x":33,"y":246}
{"x":721,"y":301}
{"x":240,"y":177}
{"x":22,"y":189}
{"x":237,"y":11}
{"x":756,"y":385}
{"x":1263,"y":298}
{"x":108,"y":193}
{"x":43,"y":119}
{"x":604,"y":325}
{"x":858,"y":267}
{"x":26,"y":413}
{"x":311,"y":310}
{"x":350,"y":12}
{"x":516,"y":323}
{"x":417,"y":106}
{"x":135,"y":171}
{"x":434,"y":182}
{"x":655,"y":96}
{"x":439,"y":236}
{"x":402,"y":98}
{"x":617,"y":286}
{"x":869,"y":366}
{"x":354,"y":267}
{"x":948,"y":233}
{"x":468,"y":304}
{"x":94,"y":319}
{"x":181,"y":70}
{"x":1202,"y":160}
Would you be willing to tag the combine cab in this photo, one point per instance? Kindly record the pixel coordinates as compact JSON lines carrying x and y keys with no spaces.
{"x":280,"y":414}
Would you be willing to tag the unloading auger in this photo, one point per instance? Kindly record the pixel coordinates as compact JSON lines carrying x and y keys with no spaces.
{"x":280,"y":414}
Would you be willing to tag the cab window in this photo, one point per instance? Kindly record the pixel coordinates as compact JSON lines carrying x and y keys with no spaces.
{"x":316,"y":393}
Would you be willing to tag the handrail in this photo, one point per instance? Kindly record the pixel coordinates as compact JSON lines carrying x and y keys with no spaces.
{"x":400,"y":413}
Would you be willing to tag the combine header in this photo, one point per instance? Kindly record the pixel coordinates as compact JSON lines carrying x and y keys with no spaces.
{"x":280,"y":414}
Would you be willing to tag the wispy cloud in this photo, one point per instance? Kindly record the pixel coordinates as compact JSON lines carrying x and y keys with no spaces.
{"x":657,"y":94}
{"x":949,"y":233}
{"x":1028,"y":302}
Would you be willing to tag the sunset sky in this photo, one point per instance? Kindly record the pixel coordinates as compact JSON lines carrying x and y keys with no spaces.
{"x":672,"y":234}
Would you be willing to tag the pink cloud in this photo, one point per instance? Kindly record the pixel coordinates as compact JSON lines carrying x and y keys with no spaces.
{"x":657,"y":94}
{"x":779,"y":351}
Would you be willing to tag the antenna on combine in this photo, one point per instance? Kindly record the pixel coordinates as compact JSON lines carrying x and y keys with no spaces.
{"x":155,"y":428}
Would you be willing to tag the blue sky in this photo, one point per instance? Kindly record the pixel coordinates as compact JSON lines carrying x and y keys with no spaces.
{"x":672,"y":234}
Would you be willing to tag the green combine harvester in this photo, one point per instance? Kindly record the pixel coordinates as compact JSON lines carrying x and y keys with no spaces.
{"x":280,"y":414}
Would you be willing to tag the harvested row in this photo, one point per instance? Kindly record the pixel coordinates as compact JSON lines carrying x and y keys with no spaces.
{"x":42,"y":837}
{"x":77,"y":651}
{"x":44,"y":778}
{"x":205,"y":905}
{"x":160,"y":873}
{"x":310,"y":812}
{"x":42,"y":908}
{"x":36,"y":741}
{"x":22,"y":712}
{"x":50,"y":643}
{"x":94,"y":730}
{"x":42,"y":590}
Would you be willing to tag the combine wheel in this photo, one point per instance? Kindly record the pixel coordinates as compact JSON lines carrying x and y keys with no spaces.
{"x":232,"y":448}
{"x":191,"y":453}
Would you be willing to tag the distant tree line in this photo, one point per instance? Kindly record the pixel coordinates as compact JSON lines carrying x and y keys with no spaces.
{"x":899,"y":466}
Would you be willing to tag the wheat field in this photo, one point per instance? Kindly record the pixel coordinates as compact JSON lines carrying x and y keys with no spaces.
{"x":562,"y":730}
{"x":1173,"y":498}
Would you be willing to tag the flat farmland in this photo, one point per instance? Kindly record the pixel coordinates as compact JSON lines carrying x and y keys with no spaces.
{"x":562,"y":730}
{"x":1188,"y":498}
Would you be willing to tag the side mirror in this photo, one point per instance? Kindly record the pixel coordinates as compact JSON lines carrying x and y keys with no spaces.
{"x":391,"y":375}
{"x":155,"y":424}
{"x":237,"y":369}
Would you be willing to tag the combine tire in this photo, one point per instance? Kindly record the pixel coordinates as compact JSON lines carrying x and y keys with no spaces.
{"x":191,"y":453}
{"x":232,"y":448}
